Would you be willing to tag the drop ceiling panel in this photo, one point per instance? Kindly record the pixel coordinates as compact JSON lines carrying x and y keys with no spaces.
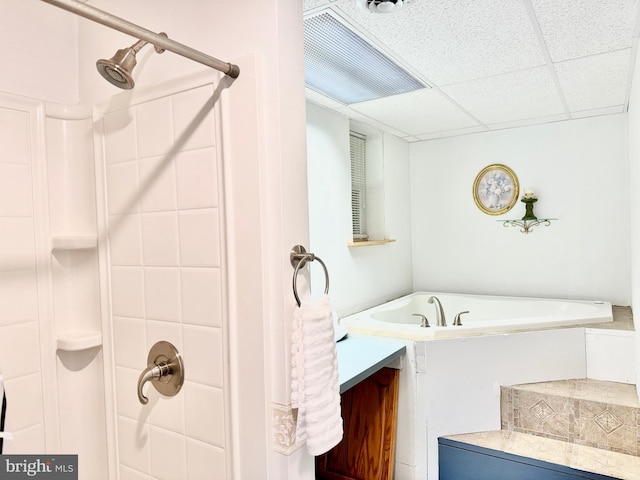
{"x":595,"y":82}
{"x":599,"y":111}
{"x":309,"y":4}
{"x":422,"y":111}
{"x":489,"y":62}
{"x":577,"y":28}
{"x":450,"y":41}
{"x":320,"y":99}
{"x":506,"y":98}
{"x":453,"y":133}
{"x":355,"y":115}
{"x":529,"y":121}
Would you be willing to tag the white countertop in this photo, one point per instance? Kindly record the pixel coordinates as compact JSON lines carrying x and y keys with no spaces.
{"x":360,"y":356}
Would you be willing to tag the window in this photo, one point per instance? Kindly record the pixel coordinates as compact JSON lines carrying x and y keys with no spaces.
{"x":358,"y":185}
{"x":366,"y":146}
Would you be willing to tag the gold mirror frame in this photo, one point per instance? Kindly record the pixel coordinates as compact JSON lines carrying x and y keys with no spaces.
{"x":496,"y":189}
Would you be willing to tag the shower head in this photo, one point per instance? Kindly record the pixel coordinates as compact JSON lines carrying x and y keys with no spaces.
{"x":117,"y":69}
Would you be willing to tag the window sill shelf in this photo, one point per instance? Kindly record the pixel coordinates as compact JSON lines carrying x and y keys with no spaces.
{"x":368,"y":243}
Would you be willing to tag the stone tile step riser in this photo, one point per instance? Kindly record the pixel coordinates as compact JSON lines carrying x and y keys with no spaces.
{"x":605,"y":425}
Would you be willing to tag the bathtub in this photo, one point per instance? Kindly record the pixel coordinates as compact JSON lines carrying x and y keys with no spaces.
{"x":487,"y":315}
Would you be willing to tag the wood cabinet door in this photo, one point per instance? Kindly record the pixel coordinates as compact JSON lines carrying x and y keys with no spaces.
{"x":369,"y":414}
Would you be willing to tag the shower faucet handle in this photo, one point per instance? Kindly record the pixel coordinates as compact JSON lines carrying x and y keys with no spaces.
{"x":165,"y":371}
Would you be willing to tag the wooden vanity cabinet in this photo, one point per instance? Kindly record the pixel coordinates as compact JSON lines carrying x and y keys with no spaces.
{"x":369,"y":414}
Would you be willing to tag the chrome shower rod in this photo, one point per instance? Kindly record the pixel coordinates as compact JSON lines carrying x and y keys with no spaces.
{"x":117,"y":23}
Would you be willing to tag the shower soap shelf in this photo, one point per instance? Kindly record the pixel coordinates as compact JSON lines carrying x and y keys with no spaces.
{"x":74,"y":242}
{"x":76,"y":341}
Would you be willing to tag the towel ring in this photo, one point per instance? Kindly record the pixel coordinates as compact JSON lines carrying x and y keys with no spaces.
{"x":299,"y":258}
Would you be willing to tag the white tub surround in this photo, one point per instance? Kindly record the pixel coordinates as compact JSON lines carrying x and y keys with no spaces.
{"x":478,"y":315}
{"x":451,"y":381}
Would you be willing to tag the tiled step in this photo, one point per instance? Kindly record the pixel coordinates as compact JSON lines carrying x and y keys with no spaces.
{"x":579,"y":457}
{"x":591,"y":413}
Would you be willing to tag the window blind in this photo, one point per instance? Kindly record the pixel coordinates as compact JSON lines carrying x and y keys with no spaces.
{"x":358,"y":185}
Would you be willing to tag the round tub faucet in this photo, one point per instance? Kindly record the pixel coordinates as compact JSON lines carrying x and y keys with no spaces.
{"x":440,"y":320}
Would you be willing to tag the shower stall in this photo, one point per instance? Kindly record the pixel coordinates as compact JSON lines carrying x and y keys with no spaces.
{"x":145,"y":215}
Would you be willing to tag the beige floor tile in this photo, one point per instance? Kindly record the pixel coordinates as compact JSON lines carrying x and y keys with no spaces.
{"x":605,"y":463}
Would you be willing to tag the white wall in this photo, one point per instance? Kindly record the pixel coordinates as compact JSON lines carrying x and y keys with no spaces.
{"x":360,"y":276}
{"x":40,"y":58}
{"x":611,"y":355}
{"x":634,"y":185}
{"x":579,"y":169}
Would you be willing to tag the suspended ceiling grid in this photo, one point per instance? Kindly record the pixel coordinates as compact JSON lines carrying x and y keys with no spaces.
{"x":495,"y":64}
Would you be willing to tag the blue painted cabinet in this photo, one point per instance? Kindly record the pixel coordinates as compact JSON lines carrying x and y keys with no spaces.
{"x":462,"y":461}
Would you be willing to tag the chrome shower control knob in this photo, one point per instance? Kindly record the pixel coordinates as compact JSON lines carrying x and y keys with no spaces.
{"x":165,"y":371}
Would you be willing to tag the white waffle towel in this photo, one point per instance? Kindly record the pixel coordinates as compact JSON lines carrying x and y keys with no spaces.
{"x":315,"y":389}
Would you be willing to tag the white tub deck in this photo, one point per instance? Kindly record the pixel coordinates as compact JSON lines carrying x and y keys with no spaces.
{"x":487,"y":315}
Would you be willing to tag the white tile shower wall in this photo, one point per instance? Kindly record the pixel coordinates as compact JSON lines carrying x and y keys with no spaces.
{"x":19,"y":315}
{"x":164,"y":238}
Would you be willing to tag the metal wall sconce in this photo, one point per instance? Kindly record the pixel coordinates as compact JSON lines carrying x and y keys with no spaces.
{"x":529,"y":220}
{"x":527,"y":225}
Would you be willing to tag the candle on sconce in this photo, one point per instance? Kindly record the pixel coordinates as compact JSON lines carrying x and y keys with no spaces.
{"x":529,"y":193}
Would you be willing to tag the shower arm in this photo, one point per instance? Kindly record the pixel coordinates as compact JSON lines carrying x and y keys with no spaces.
{"x":117,"y":23}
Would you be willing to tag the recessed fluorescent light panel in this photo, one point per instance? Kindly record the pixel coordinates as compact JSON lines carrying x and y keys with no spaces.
{"x":342,"y":65}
